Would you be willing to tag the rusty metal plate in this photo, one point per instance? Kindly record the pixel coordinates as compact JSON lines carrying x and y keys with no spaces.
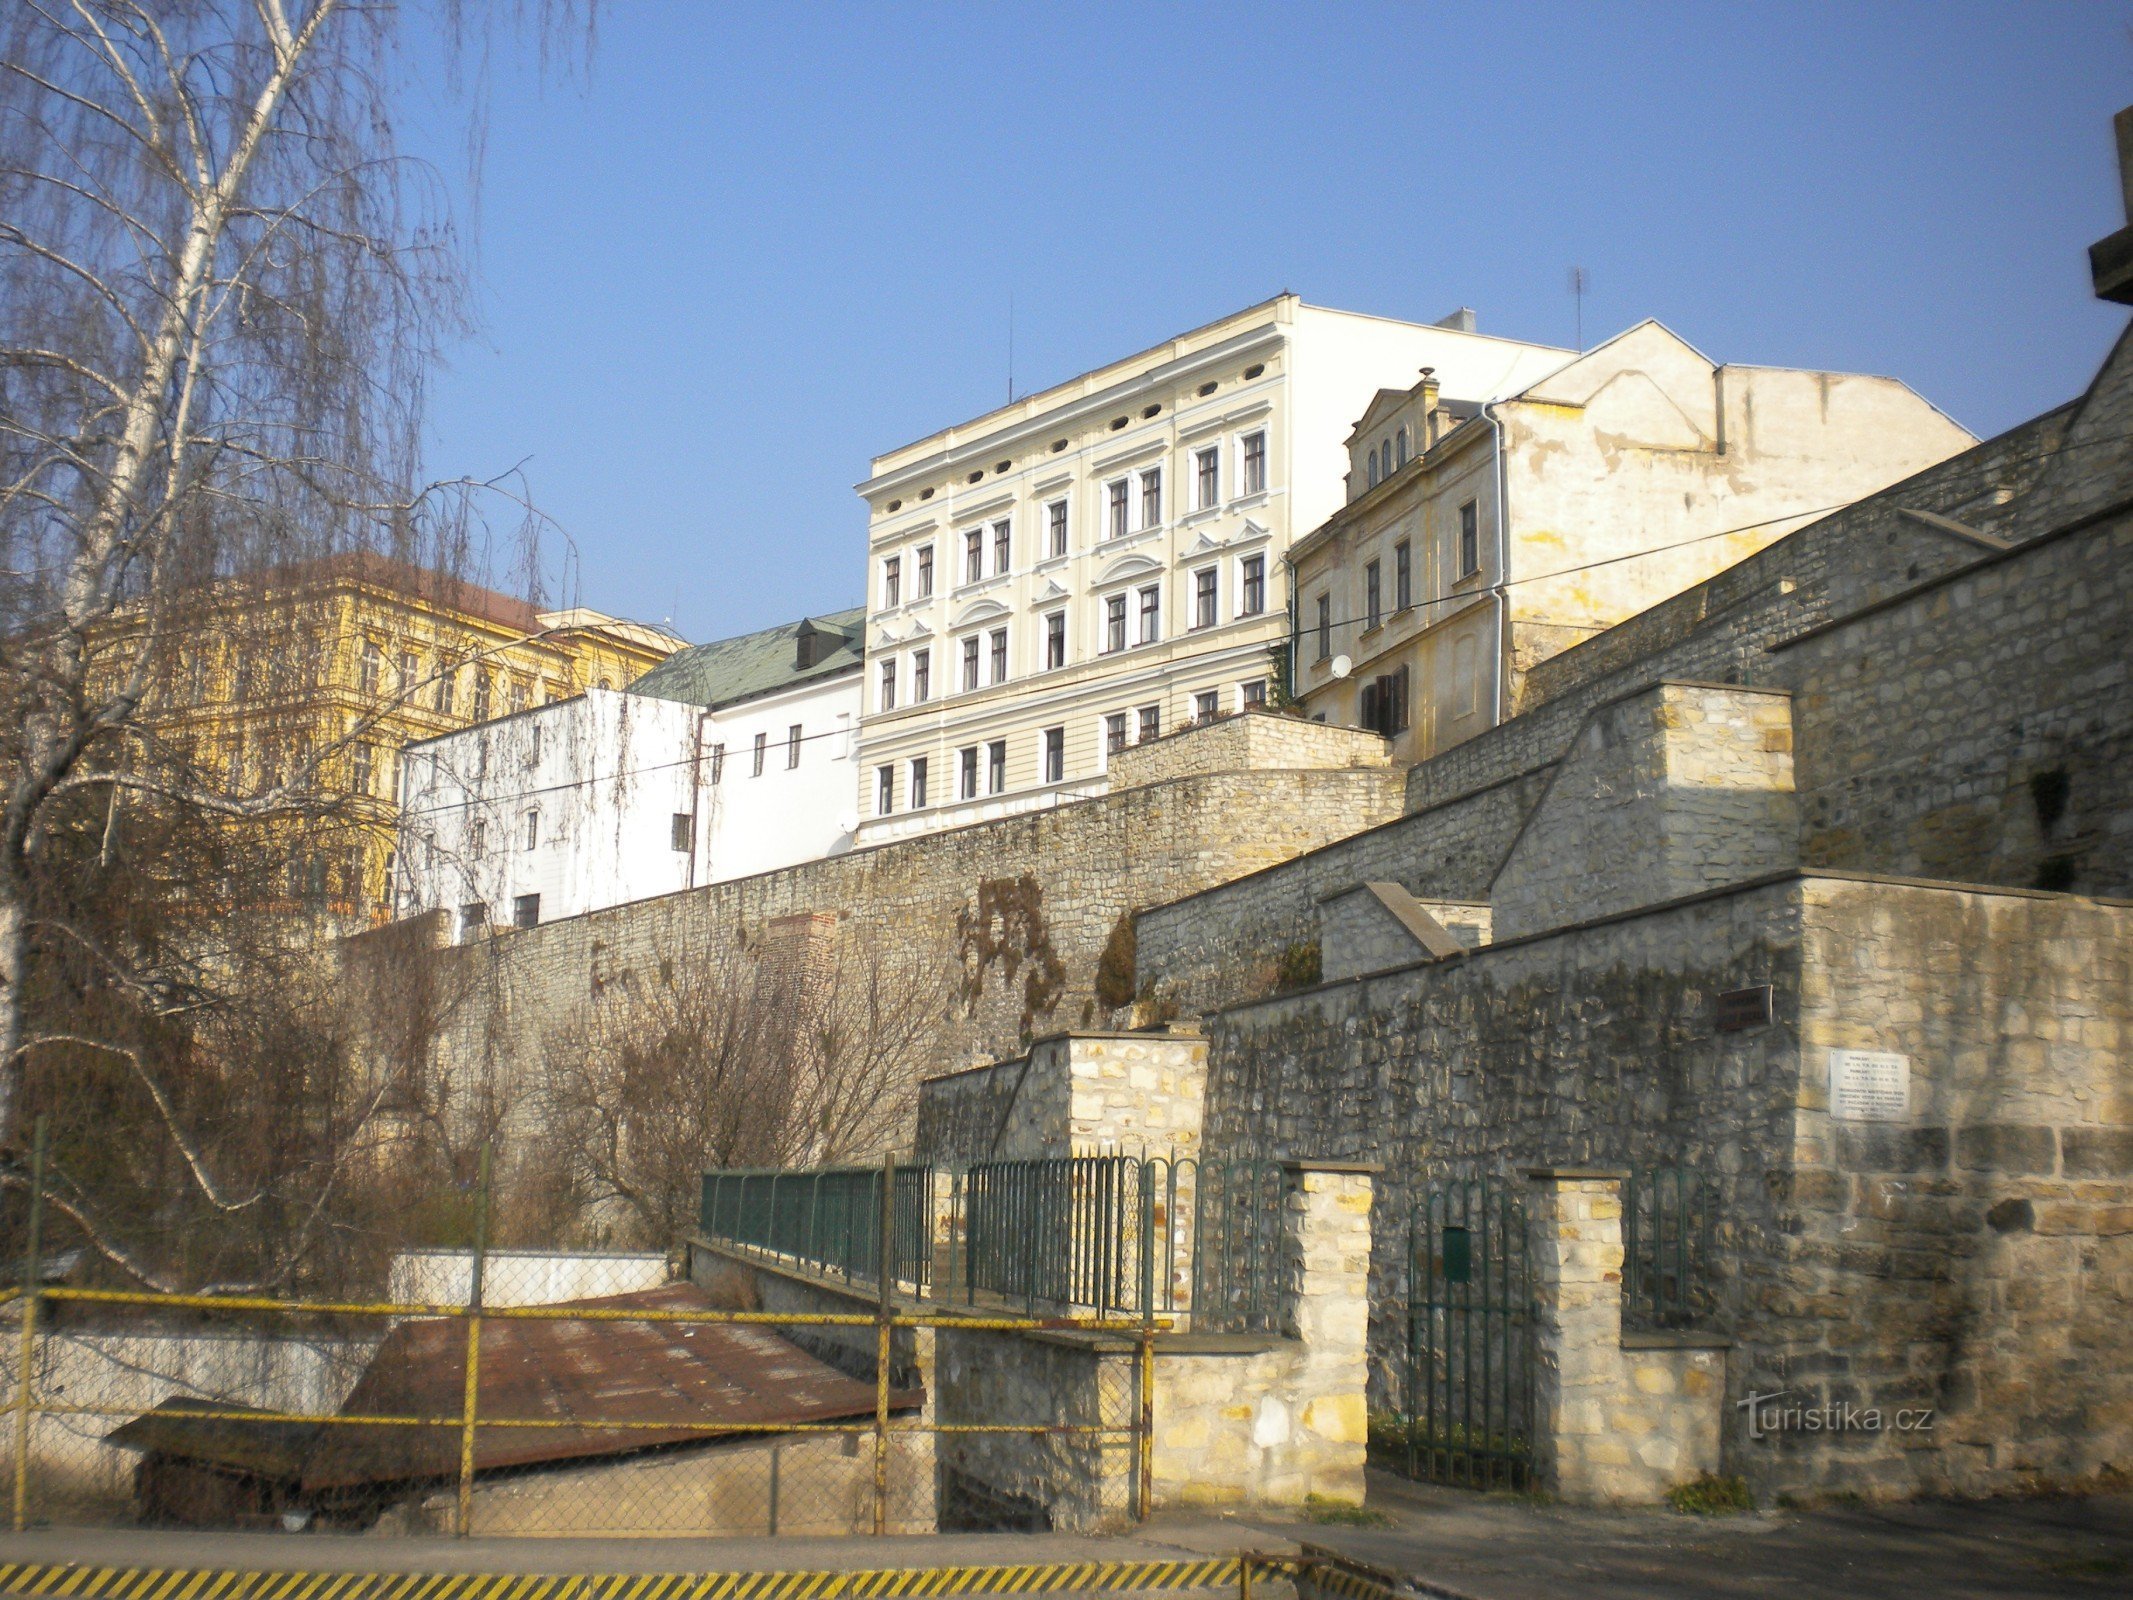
{"x":572,"y":1376}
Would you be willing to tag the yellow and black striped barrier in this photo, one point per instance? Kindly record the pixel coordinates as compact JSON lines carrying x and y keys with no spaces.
{"x":68,"y":1581}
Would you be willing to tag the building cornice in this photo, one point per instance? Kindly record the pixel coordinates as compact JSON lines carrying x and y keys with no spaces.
{"x":1178,"y":369}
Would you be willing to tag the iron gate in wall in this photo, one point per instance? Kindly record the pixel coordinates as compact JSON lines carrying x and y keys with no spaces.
{"x":1465,"y":1406}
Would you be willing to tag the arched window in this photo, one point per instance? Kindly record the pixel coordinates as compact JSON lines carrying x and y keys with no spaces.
{"x":1403,"y":447}
{"x":1373,"y":466}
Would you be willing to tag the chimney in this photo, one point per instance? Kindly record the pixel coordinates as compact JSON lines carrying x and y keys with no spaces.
{"x":1429,"y":406}
{"x":2111,"y":260}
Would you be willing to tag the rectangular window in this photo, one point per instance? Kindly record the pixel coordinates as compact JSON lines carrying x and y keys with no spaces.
{"x":1252,"y":695}
{"x":884,"y":791}
{"x":526,"y":911}
{"x":1054,"y":755}
{"x":1254,"y":463}
{"x":1207,"y":477}
{"x":530,"y":830}
{"x":792,"y":746}
{"x":473,"y":922}
{"x":921,"y":676}
{"x":521,"y":693}
{"x":1253,"y":599}
{"x":1151,"y":614}
{"x":918,"y":783}
{"x":682,"y":833}
{"x":1115,"y":623}
{"x":1151,"y":723}
{"x":1325,"y":626}
{"x":967,"y":773}
{"x":886,"y":699}
{"x":1207,"y":705}
{"x":1373,"y":595}
{"x":1469,"y":540}
{"x":533,"y":756}
{"x":1115,"y":503}
{"x":445,"y":674}
{"x":762,"y":742}
{"x":1152,"y":498}
{"x":892,"y":581}
{"x":970,"y":663}
{"x":718,"y":763}
{"x":1055,"y":516}
{"x":1203,"y":597}
{"x":1383,"y":704}
{"x":999,"y":655}
{"x":1114,"y":733}
{"x":973,"y":555}
{"x":371,"y":669}
{"x":478,"y":837}
{"x":1003,"y":549}
{"x":406,"y":668}
{"x":1403,"y":576}
{"x":925,"y":571}
{"x":1055,"y":641}
{"x":996,"y":766}
{"x":360,"y":761}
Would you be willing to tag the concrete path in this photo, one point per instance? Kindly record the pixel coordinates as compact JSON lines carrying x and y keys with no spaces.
{"x":1441,"y":1543}
{"x":1451,"y":1542}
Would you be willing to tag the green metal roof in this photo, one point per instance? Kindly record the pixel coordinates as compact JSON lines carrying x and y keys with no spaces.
{"x":726,"y":670}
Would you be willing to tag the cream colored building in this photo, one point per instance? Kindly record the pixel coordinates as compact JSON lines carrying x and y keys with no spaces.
{"x":1479,"y":540}
{"x":1102,"y":562}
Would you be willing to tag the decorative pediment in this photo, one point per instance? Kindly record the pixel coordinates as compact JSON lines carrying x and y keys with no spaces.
{"x":1206,"y":544}
{"x":979,"y":611}
{"x":1053,"y":590}
{"x":1132,"y":566}
{"x":1253,"y":529}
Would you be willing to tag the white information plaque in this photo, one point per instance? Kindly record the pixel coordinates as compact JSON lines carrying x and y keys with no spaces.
{"x":1869,"y":1085}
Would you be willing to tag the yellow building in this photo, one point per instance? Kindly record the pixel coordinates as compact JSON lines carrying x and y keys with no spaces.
{"x":356,"y":657}
{"x":1478,"y":541}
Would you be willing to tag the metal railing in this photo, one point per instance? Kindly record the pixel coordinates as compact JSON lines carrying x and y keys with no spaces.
{"x":1667,"y":1221}
{"x":1100,"y":1235}
{"x":827,"y":1219}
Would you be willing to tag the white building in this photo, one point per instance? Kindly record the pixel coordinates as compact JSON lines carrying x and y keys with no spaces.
{"x":727,"y":759}
{"x":1102,"y":561}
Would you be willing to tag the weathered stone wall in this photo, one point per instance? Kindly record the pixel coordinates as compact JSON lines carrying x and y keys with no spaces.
{"x":1957,"y":714}
{"x":1974,"y":1254}
{"x":1673,"y":790}
{"x":1366,"y":928}
{"x":1226,"y":943}
{"x":1864,"y":1263}
{"x":1981,"y":728}
{"x":1615,"y":1421}
{"x":996,"y":929}
{"x":1248,"y":741}
{"x":1069,"y":1095}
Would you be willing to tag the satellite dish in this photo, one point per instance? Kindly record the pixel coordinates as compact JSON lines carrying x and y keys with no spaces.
{"x":1342,"y":666}
{"x":848,"y":823}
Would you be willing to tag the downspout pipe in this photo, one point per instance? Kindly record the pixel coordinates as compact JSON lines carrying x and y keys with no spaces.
{"x":1503,"y":564}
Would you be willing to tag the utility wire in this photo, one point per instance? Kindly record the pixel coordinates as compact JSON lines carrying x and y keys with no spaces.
{"x":1302,"y":630}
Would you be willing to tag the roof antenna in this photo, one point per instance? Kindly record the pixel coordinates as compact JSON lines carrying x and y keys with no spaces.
{"x":1580,"y":281}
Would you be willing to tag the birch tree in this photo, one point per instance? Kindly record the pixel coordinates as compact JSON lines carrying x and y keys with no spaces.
{"x":223,"y":284}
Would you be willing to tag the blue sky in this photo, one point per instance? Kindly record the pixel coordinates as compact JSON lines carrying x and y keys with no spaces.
{"x":758,"y":245}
